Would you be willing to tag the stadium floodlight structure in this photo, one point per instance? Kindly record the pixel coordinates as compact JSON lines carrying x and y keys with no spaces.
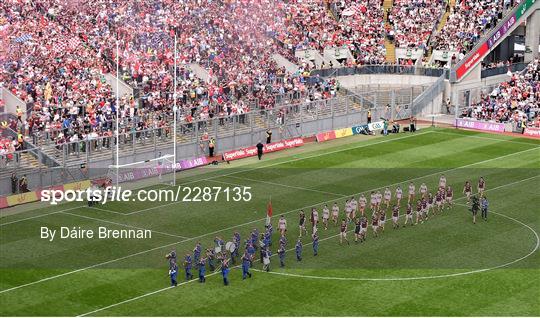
{"x":159,"y":166}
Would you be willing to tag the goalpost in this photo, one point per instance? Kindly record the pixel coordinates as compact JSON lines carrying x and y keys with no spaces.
{"x":162,"y":168}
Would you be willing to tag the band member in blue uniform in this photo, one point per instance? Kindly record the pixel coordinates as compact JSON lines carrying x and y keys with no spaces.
{"x":171,"y":257}
{"x":298,"y":250}
{"x":187,"y":267}
{"x":251,"y":251}
{"x":225,"y":271}
{"x":315,"y":239}
{"x":173,"y":273}
{"x":266,"y":258}
{"x":246,"y":261}
{"x":197,"y":253}
{"x":211,"y":256}
{"x":202,"y":270}
{"x":237,"y":241}
{"x":281,"y":254}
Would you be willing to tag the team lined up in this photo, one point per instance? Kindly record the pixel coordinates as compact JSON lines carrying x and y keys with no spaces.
{"x":223,"y":254}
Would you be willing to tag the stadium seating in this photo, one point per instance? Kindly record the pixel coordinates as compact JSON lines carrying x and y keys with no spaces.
{"x":513,"y":101}
{"x":62,"y":51}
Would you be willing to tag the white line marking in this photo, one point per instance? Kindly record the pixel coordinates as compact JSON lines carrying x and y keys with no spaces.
{"x":279,"y":163}
{"x":124,"y":225}
{"x":355,"y":278}
{"x":240,"y":225}
{"x":40,"y":216}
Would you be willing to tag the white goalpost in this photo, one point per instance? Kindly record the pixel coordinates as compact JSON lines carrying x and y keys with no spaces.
{"x":162,"y":168}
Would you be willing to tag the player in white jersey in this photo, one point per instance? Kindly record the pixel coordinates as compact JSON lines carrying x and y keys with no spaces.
{"x":335,"y":212}
{"x":387,"y":197}
{"x":348,"y":210}
{"x":325,"y":216}
{"x":373,"y":201}
{"x":423,"y":190}
{"x":379,"y":200}
{"x":399,"y":195}
{"x":412,"y":191}
{"x":362,"y":202}
{"x":282,"y":225}
{"x":314,"y":219}
{"x":354,"y":207}
{"x":442,"y":182}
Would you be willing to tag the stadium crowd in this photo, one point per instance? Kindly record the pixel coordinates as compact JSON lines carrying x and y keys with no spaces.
{"x":467,"y":23}
{"x":514,"y":101}
{"x":61,"y":51}
{"x":413,"y":21}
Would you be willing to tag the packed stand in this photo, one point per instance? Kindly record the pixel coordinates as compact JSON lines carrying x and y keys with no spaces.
{"x":514,"y":101}
{"x":468,"y":21}
{"x":413,"y":21}
{"x":363,"y":29}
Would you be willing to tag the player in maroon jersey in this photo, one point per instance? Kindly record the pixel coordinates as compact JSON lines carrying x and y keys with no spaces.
{"x":423,"y":211}
{"x":357,"y":230}
{"x":395,"y":216}
{"x":382,"y":219}
{"x":467,"y":190}
{"x":419,"y":212}
{"x":481,"y":187}
{"x":449,"y":197}
{"x":363,"y":228}
{"x":438,"y":201}
{"x":375,"y":224}
{"x":409,"y":215}
{"x":430,"y":201}
{"x":343,"y":232}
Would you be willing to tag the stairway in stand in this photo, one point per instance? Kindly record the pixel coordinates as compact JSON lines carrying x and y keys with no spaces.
{"x":390,"y":47}
{"x":442,"y":23}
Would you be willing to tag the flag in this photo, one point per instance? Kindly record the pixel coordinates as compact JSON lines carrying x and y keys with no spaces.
{"x":23,"y":38}
{"x":269,"y":212}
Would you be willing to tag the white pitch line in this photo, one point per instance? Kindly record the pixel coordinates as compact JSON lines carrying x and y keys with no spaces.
{"x":40,"y":216}
{"x":279,"y":163}
{"x":343,"y":278}
{"x":124,"y":225}
{"x":225,"y":175}
{"x":355,"y":278}
{"x":238,"y":226}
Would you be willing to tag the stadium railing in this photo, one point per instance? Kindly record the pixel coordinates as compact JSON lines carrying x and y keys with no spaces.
{"x":494,"y":71}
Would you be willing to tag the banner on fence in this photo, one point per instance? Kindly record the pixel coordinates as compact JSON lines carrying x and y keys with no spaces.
{"x":325,"y":136}
{"x":345,"y":132}
{"x":378,"y":125}
{"x":271,"y":147}
{"x":532,"y":132}
{"x":479,"y":125}
{"x":34,"y":196}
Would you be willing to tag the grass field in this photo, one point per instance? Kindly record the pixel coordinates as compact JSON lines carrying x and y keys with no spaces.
{"x":444,"y":267}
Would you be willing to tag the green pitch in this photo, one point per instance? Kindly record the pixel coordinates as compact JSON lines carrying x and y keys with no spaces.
{"x":444,"y":267}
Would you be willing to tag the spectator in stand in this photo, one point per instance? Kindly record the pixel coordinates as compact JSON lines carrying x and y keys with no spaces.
{"x":514,"y":101}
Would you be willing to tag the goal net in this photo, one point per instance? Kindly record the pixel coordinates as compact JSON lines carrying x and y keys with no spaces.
{"x":161,"y":170}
